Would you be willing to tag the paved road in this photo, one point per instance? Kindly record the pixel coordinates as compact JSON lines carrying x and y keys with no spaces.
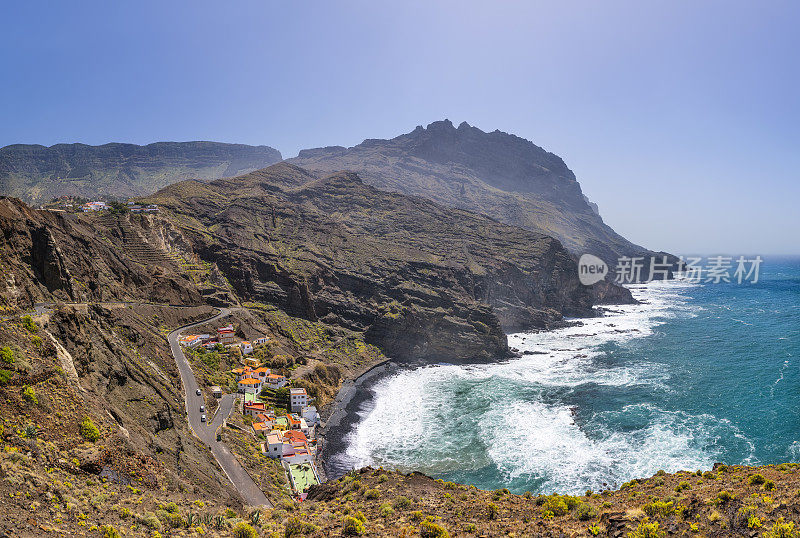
{"x":241,"y":480}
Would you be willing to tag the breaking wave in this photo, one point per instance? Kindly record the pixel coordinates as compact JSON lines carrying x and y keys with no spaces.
{"x":584,"y":408}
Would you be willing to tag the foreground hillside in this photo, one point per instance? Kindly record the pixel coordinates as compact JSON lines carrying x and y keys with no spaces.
{"x":497,"y":174}
{"x":37,"y":173}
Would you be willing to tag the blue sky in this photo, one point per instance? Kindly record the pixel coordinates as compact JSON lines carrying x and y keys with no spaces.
{"x":680,"y":119}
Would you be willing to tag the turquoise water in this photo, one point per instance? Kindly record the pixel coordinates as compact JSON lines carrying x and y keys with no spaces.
{"x":694,"y":375}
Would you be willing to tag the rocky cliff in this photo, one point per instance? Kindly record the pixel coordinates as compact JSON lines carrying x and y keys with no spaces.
{"x":37,"y":173}
{"x":49,"y":257}
{"x":498,"y":174}
{"x":419,"y":279}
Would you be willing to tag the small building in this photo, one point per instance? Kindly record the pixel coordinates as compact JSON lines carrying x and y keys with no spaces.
{"x":251,"y":362}
{"x":254,"y":408}
{"x":261,"y":373}
{"x":226,"y":335}
{"x":298,"y":399}
{"x":275,"y":381}
{"x":249,"y":385}
{"x":309,"y":413}
{"x":211,"y":344}
{"x":261,"y":428}
{"x":193,"y":340}
{"x":152,"y":208}
{"x":260,"y":341}
{"x":216,"y":392}
{"x":274,"y":445}
{"x":246,"y":348}
{"x":243,"y":373}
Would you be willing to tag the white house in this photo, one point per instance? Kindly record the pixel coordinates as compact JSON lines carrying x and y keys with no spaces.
{"x":260,"y":341}
{"x":275,"y":381}
{"x":248,"y":385}
{"x":226,"y":335}
{"x":274,"y":445}
{"x":246,"y":348}
{"x":309,"y":413}
{"x":298,"y":399}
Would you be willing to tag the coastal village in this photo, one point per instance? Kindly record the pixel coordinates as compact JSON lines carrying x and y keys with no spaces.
{"x":281,"y":417}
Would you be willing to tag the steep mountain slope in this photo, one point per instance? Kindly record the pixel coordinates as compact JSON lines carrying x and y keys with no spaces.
{"x":497,"y":174}
{"x":421,"y":280}
{"x":38,"y":173}
{"x":49,"y":257}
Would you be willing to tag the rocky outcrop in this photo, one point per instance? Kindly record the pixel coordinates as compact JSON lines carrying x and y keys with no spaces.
{"x":498,"y":174}
{"x":48,"y":257}
{"x":420,"y":280}
{"x":38,"y":173}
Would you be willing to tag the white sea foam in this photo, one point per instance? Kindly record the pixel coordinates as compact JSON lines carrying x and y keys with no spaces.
{"x":512,"y":417}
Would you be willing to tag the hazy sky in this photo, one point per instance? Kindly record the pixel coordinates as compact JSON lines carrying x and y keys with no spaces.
{"x":680,"y":119}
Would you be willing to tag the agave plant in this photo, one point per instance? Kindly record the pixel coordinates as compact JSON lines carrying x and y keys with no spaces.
{"x":219,"y":521}
{"x":31,"y":431}
{"x":192,"y":518}
{"x":255,"y":518}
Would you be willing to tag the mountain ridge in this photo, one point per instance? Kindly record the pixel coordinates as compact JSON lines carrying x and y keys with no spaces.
{"x":36,"y":173}
{"x":494,"y":173}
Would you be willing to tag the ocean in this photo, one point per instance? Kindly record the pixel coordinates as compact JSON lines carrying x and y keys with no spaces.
{"x":696,"y":374}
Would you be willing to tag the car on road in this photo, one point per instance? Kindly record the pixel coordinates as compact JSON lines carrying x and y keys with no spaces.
{"x":202,"y":408}
{"x":197,"y":392}
{"x":202,"y":418}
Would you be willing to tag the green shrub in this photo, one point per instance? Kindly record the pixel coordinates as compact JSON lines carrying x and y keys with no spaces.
{"x":372,"y":494}
{"x":29,"y":395}
{"x":297,"y":527}
{"x":585,"y":512}
{"x":5,"y":376}
{"x":725,"y":496}
{"x":36,"y":341}
{"x":682,"y":486}
{"x":647,"y":530}
{"x":417,"y":516}
{"x":756,"y":479}
{"x":402,"y":503}
{"x":556,"y":504}
{"x":110,"y":532}
{"x":7,"y":355}
{"x":150,"y":520}
{"x":29,"y":324}
{"x":429,"y":529}
{"x":243,"y":530}
{"x":359,"y":515}
{"x":88,"y":430}
{"x":659,"y":508}
{"x":386,"y":510}
{"x":491,"y":511}
{"x":782,"y":529}
{"x":769,"y":485}
{"x":352,"y":527}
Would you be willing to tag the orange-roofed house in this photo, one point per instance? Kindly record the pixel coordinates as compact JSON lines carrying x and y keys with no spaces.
{"x":262,"y":373}
{"x":261,"y":427}
{"x":254,"y":408}
{"x":275,"y":381}
{"x":249,"y":385}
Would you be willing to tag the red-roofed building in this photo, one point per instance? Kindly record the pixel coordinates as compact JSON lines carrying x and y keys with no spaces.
{"x":254,"y":408}
{"x":226,"y":335}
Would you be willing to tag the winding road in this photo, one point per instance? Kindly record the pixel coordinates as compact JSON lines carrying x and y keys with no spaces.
{"x":207,"y":432}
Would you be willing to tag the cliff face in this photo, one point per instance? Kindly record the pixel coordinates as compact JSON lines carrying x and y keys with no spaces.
{"x":49,"y":257}
{"x":421,"y":281}
{"x":497,"y":174}
{"x":38,"y":173}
